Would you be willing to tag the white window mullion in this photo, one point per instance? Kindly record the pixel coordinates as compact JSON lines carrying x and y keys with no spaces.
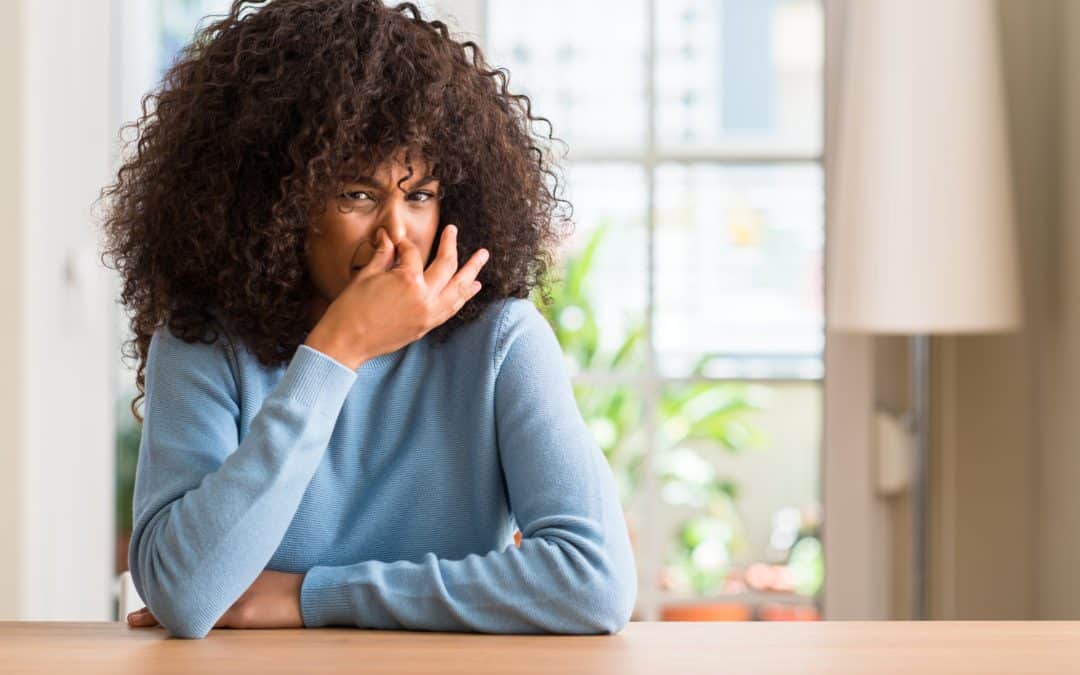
{"x":652,"y":539}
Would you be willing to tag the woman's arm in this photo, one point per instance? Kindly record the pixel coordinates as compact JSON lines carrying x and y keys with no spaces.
{"x":574,"y":571}
{"x":209,"y":510}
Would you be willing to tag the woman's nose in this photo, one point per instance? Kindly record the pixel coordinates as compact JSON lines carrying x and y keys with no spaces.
{"x":394,"y":221}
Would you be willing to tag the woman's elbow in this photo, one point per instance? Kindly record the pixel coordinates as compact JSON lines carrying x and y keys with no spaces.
{"x":189,"y":630}
{"x":180,"y":619}
{"x":618,"y":610}
{"x":609,"y":603}
{"x":174,"y":611}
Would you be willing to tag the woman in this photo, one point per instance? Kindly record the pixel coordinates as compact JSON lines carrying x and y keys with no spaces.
{"x":342,"y":426}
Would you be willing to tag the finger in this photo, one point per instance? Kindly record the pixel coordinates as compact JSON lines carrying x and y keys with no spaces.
{"x":470,"y":269}
{"x":459,"y":295}
{"x":463,"y":285}
{"x":383,"y":257}
{"x":142,"y":618}
{"x":137,"y":613}
{"x":409,"y":257}
{"x":446,"y":262}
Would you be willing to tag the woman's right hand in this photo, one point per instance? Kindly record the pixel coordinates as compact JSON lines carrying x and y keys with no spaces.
{"x":383,"y":308}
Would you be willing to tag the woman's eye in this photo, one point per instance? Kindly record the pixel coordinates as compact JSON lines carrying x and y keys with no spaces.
{"x":422,"y":196}
{"x":357,"y":195}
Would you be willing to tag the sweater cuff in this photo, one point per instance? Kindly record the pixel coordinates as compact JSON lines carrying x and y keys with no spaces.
{"x":312,"y":376}
{"x":325,"y":600}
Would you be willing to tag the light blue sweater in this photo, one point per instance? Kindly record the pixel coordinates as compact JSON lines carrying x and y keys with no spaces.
{"x":395,"y":487}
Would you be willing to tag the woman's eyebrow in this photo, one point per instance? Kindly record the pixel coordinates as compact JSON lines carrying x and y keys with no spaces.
{"x":370,"y":180}
{"x":424,"y":181}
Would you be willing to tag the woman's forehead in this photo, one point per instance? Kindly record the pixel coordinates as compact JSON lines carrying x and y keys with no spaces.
{"x":402,"y":163}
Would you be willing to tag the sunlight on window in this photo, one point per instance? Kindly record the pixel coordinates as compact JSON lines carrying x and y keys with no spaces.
{"x":741,"y":76}
{"x":587,"y":73}
{"x":739,"y":270}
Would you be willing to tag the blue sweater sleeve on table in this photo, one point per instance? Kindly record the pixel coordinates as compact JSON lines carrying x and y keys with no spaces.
{"x":574,"y":571}
{"x":209,"y":510}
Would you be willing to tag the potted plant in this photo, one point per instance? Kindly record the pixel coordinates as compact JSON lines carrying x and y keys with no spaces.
{"x":701,"y":419}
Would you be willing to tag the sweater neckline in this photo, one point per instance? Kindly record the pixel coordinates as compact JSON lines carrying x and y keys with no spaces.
{"x":382,"y":361}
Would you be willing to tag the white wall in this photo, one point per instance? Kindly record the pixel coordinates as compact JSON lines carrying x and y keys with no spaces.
{"x":12,"y":337}
{"x":56,"y":398}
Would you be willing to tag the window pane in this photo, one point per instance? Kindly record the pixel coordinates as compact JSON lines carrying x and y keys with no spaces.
{"x":585,"y":74}
{"x":178,"y":21}
{"x":739,"y":270}
{"x":599,"y":305}
{"x":738,"y":474}
{"x":742,"y":76}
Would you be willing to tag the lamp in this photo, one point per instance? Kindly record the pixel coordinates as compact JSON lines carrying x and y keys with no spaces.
{"x":922,"y":238}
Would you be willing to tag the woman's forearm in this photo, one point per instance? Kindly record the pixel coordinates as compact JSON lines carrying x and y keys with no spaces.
{"x":208,"y":517}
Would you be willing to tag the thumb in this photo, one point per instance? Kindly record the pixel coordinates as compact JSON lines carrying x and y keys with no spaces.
{"x":384,"y":256}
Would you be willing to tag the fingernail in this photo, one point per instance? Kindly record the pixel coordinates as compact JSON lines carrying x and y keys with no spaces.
{"x":452,"y":228}
{"x":483,"y":255}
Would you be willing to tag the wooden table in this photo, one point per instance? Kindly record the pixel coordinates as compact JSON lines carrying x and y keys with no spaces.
{"x":830,"y":647}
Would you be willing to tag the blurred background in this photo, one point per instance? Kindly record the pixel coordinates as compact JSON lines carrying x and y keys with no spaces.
{"x":774,"y":463}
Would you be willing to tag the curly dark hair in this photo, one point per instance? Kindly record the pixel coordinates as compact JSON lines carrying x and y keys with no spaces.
{"x":249,"y":133}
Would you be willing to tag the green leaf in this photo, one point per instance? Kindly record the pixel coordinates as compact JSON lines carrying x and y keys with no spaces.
{"x":626,"y":349}
{"x":579,"y":267}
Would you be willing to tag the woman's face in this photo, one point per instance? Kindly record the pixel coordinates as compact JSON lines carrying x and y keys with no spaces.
{"x":341,"y":238}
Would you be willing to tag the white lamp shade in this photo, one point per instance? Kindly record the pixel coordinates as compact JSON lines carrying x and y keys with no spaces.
{"x":921,"y":235}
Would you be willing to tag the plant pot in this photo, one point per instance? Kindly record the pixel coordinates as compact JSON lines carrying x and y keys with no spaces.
{"x":706,"y":611}
{"x":785,"y":612}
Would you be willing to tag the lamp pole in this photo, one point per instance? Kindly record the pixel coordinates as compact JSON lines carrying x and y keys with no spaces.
{"x":920,"y":363}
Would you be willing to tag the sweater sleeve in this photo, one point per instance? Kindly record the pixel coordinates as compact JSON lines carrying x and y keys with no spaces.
{"x":209,"y":509}
{"x":574,"y":571}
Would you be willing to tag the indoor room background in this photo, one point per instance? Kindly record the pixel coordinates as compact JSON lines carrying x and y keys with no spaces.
{"x":748,"y":439}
